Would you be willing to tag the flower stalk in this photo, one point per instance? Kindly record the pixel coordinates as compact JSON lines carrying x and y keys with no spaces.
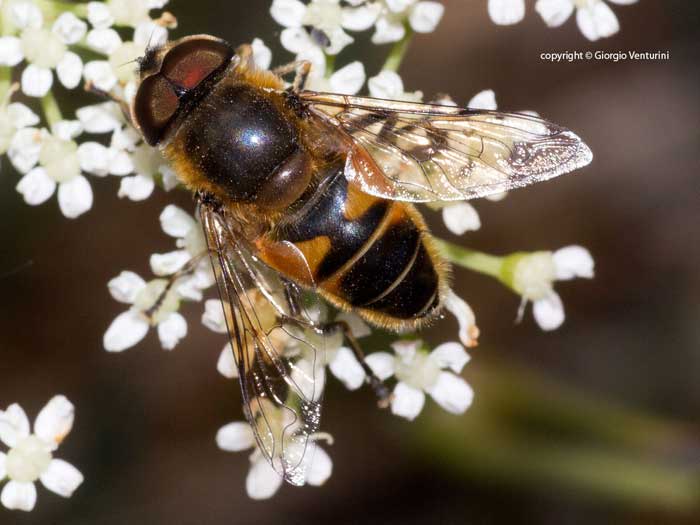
{"x":5,"y":82}
{"x":398,"y":51}
{"x":49,"y":106}
{"x":471,"y":259}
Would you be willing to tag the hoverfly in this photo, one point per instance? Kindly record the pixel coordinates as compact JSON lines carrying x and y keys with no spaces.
{"x":303,"y":193}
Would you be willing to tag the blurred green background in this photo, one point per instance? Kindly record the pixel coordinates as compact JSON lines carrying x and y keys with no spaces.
{"x":594,"y":423}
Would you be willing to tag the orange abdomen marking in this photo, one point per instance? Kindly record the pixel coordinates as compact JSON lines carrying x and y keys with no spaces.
{"x":362,"y":252}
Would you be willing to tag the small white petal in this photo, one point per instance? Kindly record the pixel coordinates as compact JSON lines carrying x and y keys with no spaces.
{"x":101,"y":74}
{"x":461,"y":217}
{"x":21,"y":116}
{"x":69,"y":28}
{"x":339,"y":40}
{"x":189,"y":288}
{"x":170,"y":180}
{"x":554,"y":12}
{"x":10,"y":51}
{"x":450,"y":355}
{"x":36,"y":187}
{"x":597,"y":21}
{"x":425,"y":16}
{"x":55,"y":420}
{"x":176,"y":222}
{"x":213,"y":316}
{"x":235,"y":437}
{"x":169,"y":263}
{"x":261,"y":54}
{"x":3,"y":470}
{"x":407,"y":401}
{"x":94,"y":158}
{"x":549,"y":312}
{"x":573,"y":261}
{"x":485,"y":99}
{"x":75,"y":197}
{"x":624,"y":2}
{"x":105,"y":41}
{"x":320,"y":469}
{"x":137,"y":187}
{"x":36,"y":81}
{"x":357,"y":326}
{"x":125,"y":287}
{"x":506,"y":12}
{"x":149,"y":33}
{"x":120,"y":163}
{"x":497,"y":197}
{"x":452,"y":393}
{"x":360,"y":18}
{"x":387,"y":31}
{"x":14,"y":425}
{"x":288,"y":13}
{"x":382,"y":364}
{"x":70,"y":70}
{"x":66,"y":129}
{"x":62,"y":478}
{"x":310,"y":380}
{"x":19,"y":496}
{"x":25,"y":148}
{"x":468,"y":331}
{"x":99,"y":15}
{"x":262,"y":481}
{"x":125,"y":331}
{"x":172,"y":330}
{"x":347,"y":369}
{"x":406,"y":349}
{"x":399,"y":6}
{"x":226,"y":364}
{"x":387,"y":85}
{"x":296,"y":40}
{"x":349,"y":79}
{"x":26,"y":14}
{"x":100,"y":118}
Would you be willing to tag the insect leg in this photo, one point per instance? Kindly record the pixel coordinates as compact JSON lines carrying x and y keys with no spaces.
{"x":123,"y":104}
{"x":300,"y":68}
{"x":380,"y":389}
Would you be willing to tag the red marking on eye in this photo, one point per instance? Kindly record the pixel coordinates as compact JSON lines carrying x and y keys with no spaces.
{"x":193,"y":77}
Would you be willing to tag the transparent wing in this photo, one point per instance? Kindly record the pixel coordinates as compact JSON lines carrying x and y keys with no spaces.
{"x":278,"y":347}
{"x":427,"y":152}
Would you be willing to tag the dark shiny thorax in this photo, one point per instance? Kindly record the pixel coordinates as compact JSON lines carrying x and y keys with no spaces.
{"x":238,"y":136}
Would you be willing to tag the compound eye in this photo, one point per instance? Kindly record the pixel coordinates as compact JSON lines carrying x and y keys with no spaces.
{"x":154,"y":106}
{"x":190,"y":62}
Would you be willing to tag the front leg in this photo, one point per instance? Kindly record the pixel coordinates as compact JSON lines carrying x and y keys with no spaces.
{"x":301,"y":70}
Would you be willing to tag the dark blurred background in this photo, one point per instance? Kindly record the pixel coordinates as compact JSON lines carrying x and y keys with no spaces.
{"x":594,"y":423}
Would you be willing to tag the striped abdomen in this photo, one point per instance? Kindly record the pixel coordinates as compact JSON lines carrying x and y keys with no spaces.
{"x":364,"y":253}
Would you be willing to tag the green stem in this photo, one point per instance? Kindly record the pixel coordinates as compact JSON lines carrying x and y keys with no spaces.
{"x":330,"y":65}
{"x":398,"y":52}
{"x":5,"y":82}
{"x":471,"y":259}
{"x":51,"y":110}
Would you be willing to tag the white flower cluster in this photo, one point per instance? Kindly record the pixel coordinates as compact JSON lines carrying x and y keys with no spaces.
{"x":316,"y":32}
{"x":594,"y":18}
{"x":54,"y":156}
{"x":30,"y":455}
{"x":183,"y":274}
